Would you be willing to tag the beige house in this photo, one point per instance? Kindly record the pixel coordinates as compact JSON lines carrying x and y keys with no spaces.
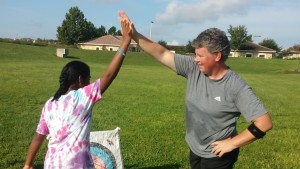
{"x":107,"y":43}
{"x":255,"y":51}
{"x":292,"y":55}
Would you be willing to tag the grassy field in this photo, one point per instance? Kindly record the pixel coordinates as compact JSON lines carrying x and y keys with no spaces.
{"x":147,"y":102}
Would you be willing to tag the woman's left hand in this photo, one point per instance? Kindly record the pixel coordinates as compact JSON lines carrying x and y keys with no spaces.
{"x":221,"y":147}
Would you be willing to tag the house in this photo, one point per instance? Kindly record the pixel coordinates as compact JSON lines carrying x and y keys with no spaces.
{"x":253,"y":50}
{"x":293,"y":54}
{"x":107,"y":43}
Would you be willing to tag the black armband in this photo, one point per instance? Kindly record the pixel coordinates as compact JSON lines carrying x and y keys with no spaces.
{"x":256,"y":131}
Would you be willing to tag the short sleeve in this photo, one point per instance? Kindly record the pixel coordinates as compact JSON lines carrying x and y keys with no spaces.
{"x":250,"y":106}
{"x":92,"y":91}
{"x":42,"y":127}
{"x":183,"y":64}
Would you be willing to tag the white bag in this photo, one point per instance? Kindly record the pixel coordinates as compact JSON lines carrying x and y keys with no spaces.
{"x":106,"y":149}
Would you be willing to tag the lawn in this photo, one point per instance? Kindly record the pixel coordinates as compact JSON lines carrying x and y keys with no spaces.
{"x":146,"y":101}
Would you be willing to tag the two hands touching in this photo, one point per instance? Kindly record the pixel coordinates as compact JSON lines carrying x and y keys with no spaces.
{"x":123,"y":18}
{"x":126,"y":25}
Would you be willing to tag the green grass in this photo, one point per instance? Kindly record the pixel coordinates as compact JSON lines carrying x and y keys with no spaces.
{"x":146,"y":101}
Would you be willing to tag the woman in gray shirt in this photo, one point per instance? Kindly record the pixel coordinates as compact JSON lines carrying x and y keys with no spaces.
{"x":215,"y":98}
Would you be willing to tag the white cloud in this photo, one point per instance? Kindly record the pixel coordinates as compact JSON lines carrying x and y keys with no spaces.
{"x":179,"y":12}
{"x":268,"y":18}
{"x":174,"y":42}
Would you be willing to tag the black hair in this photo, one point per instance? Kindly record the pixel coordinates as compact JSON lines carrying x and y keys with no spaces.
{"x":69,"y":75}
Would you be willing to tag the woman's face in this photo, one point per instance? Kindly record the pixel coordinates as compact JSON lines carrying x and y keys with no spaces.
{"x":205,"y":60}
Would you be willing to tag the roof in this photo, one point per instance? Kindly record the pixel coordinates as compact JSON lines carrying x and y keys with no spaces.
{"x":294,"y":51}
{"x":258,"y":48}
{"x":174,"y":47}
{"x":106,"y":40}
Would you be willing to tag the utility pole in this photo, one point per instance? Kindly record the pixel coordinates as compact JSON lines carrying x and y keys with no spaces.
{"x":150,"y":29}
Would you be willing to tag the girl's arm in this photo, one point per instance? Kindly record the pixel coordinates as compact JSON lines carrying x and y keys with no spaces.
{"x":114,"y":66}
{"x":35,"y":145}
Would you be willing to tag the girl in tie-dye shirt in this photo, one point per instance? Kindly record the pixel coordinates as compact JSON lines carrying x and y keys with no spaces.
{"x":66,"y":117}
{"x":67,"y":122}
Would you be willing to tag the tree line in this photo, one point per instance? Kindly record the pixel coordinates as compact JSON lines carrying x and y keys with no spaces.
{"x":75,"y":28}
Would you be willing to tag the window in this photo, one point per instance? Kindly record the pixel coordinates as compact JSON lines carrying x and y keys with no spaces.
{"x":248,"y":55}
{"x":261,"y":56}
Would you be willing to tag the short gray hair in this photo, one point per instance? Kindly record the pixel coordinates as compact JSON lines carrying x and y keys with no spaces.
{"x":215,"y":40}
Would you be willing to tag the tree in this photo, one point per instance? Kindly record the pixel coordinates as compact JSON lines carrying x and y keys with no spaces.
{"x":181,"y":50}
{"x":112,"y":31}
{"x":119,"y":33}
{"x":163,"y":43}
{"x":270,"y":43}
{"x":189,"y":48}
{"x":238,"y":37}
{"x":101,"y":31}
{"x":75,"y":28}
{"x":294,"y":48}
{"x":90,"y":31}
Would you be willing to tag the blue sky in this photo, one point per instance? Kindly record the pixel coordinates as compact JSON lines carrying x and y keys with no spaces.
{"x":174,"y":21}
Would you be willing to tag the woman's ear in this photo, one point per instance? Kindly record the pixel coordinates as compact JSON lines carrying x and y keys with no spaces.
{"x":218,"y":56}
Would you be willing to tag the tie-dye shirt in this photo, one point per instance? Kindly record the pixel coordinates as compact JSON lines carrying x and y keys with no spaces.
{"x":67,"y":124}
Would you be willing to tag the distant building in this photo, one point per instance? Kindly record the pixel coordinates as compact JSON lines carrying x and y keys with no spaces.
{"x":62,"y":52}
{"x":293,"y":54}
{"x":255,"y":51}
{"x":26,"y":39}
{"x":175,"y":48}
{"x":106,"y":43}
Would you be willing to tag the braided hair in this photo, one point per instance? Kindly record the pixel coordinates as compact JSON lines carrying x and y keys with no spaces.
{"x":70,"y":75}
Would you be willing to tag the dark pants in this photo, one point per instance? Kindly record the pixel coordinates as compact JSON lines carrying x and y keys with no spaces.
{"x":225,"y":162}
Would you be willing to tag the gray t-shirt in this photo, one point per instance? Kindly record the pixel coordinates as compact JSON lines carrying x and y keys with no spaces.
{"x":214,"y":106}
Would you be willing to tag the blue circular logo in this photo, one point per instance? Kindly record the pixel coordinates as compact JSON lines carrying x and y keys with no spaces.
{"x":103,"y":158}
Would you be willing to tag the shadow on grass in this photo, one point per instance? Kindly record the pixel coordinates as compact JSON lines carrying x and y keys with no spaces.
{"x":166,"y":166}
{"x":38,"y":166}
{"x":72,"y":57}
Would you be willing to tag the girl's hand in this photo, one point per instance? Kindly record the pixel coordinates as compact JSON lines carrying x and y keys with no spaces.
{"x":126,"y":30}
{"x":123,"y":17}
